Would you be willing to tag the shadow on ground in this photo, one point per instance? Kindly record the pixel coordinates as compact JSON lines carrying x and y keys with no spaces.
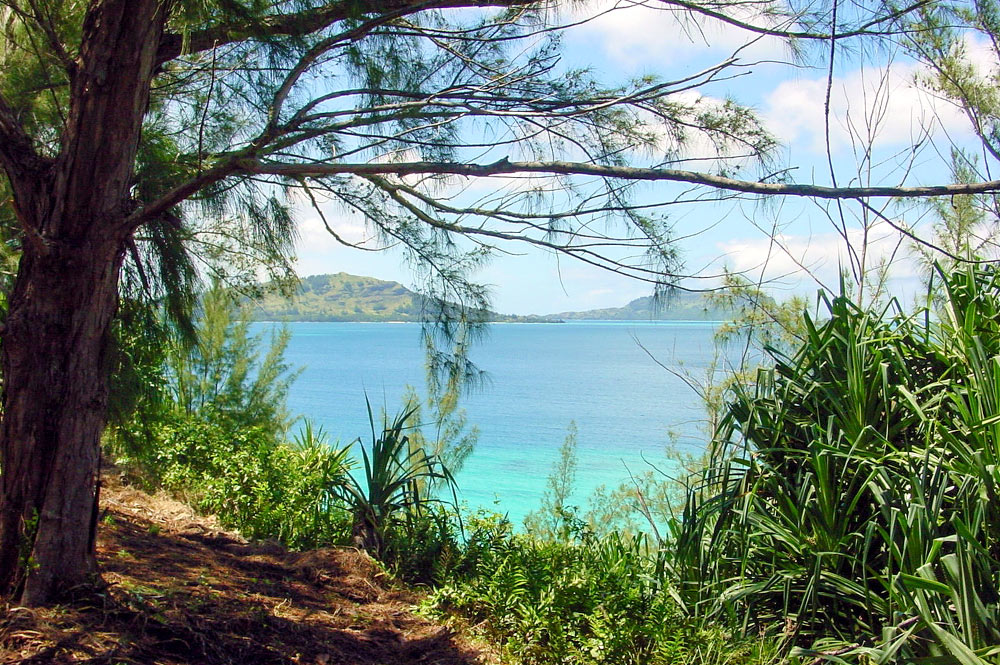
{"x":180,"y":590}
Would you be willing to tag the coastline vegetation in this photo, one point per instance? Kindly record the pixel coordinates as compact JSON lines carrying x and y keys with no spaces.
{"x":846,"y":509}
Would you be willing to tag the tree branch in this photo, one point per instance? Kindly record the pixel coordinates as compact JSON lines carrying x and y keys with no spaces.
{"x":181,"y":193}
{"x":245,"y":165}
{"x":17,"y":152}
{"x":47,"y":25}
{"x":505,"y":167}
{"x":862,"y":30}
{"x":306,"y":22}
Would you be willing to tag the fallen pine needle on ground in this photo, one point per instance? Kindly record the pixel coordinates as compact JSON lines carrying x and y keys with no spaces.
{"x":182,"y":590}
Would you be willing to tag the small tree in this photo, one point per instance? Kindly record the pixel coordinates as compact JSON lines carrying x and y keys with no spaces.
{"x":222,"y":371}
{"x":553,"y":519}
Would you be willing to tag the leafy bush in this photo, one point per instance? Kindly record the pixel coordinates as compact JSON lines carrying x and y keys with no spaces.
{"x":263,"y":488}
{"x":424,"y":547}
{"x":851,"y":499}
{"x":214,"y":434}
{"x":588,"y":601}
{"x":395,"y":493}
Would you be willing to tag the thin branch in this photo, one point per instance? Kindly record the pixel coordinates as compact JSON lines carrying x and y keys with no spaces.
{"x":326,"y":224}
{"x":902,"y":230}
{"x":305,"y":23}
{"x":862,"y":30}
{"x":44,"y":21}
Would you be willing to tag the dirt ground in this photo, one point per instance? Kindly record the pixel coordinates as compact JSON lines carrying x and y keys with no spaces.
{"x":182,"y":590}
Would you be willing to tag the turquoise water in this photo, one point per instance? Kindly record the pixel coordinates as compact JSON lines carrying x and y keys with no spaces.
{"x":541,"y":377}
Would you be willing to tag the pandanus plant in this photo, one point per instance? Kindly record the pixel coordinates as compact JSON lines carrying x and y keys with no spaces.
{"x":851,"y":498}
{"x":397,"y":481}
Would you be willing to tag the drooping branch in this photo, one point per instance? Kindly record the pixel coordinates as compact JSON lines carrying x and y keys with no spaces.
{"x":249,"y":166}
{"x":589,"y":251}
{"x":505,"y":167}
{"x":307,"y":22}
{"x":181,"y":193}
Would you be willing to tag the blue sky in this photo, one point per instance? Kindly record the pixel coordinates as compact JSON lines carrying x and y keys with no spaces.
{"x":874,"y":99}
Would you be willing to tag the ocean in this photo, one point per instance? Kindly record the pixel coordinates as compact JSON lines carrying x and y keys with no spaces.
{"x":540,"y":378}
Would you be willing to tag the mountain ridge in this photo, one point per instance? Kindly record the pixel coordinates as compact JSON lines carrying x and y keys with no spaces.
{"x":354,"y":298}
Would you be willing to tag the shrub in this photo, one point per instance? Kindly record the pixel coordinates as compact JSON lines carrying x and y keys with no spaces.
{"x":263,"y":488}
{"x":851,"y":502}
{"x":395,"y":493}
{"x":595,"y":600}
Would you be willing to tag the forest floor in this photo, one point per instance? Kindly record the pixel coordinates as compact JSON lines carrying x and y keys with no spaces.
{"x":182,"y":590}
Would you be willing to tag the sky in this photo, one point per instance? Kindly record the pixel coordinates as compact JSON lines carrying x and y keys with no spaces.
{"x":793,"y":245}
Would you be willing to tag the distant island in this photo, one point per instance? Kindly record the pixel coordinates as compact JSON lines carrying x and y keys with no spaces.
{"x":679,"y":306}
{"x":344,"y":297}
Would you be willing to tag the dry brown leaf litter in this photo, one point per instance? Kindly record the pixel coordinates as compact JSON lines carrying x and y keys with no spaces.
{"x":183,"y":590}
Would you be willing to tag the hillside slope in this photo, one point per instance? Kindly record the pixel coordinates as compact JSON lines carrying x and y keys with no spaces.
{"x":678,"y":307}
{"x":344,"y":297}
{"x":182,"y":591}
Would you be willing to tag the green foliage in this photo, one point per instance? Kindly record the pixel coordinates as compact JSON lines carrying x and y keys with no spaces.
{"x":756,"y":320}
{"x":555,"y":518}
{"x":138,"y":398}
{"x":343,"y":297}
{"x":591,"y":601}
{"x":223,"y":373}
{"x":849,"y":502}
{"x":424,"y":547}
{"x":393,"y":493}
{"x":649,"y":501}
{"x":261,"y":487}
{"x":206,"y":419}
{"x":940,"y":37}
{"x":217,"y":373}
{"x":561,"y":593}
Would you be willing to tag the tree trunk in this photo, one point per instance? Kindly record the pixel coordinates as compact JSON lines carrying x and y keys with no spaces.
{"x":54,"y":412}
{"x":64,"y":298}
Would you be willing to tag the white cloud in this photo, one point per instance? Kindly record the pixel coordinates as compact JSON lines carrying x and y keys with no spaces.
{"x":314,"y":235}
{"x":643,"y":33}
{"x":980,"y":53}
{"x":803,"y":262}
{"x":878,"y":104}
{"x":318,"y":251}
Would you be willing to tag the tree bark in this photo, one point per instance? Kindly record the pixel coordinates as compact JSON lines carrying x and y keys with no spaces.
{"x":54,"y":412}
{"x":64,"y":298}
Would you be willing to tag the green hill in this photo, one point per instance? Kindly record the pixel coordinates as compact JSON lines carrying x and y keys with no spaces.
{"x":344,"y":297}
{"x":681,"y":306}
